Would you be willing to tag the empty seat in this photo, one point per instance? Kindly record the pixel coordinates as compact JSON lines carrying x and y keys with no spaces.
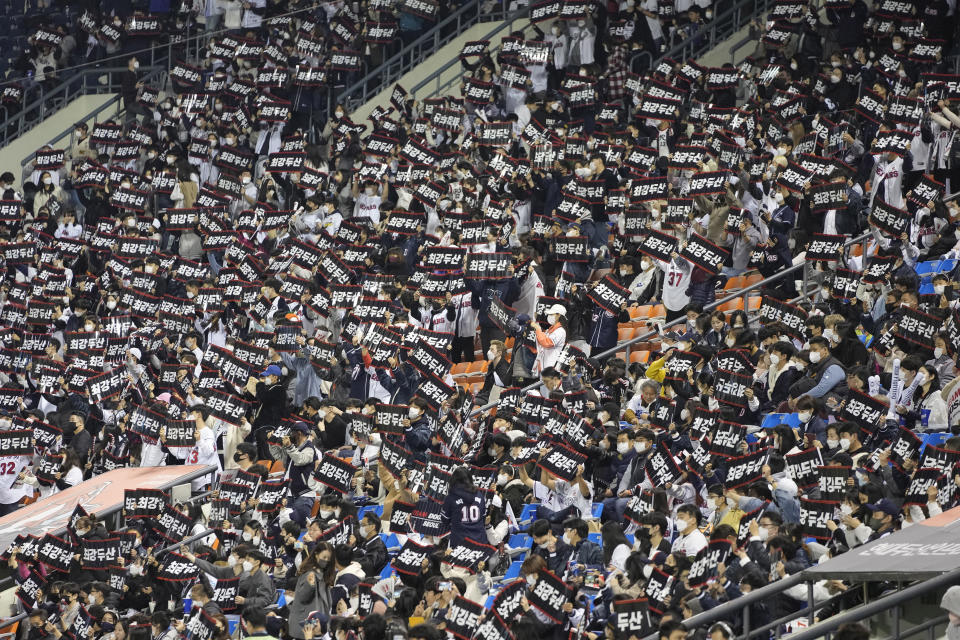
{"x":624,"y":334}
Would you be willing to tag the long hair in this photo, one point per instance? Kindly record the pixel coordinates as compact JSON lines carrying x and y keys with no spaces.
{"x":310,"y":563}
{"x":461,"y":478}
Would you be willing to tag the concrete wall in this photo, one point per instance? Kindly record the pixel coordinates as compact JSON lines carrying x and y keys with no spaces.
{"x":14,"y":153}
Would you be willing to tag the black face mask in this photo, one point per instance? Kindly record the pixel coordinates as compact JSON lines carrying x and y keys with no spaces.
{"x":237,"y":456}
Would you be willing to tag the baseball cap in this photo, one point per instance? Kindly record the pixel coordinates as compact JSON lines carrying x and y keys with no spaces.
{"x":272,"y":370}
{"x":885,"y":505}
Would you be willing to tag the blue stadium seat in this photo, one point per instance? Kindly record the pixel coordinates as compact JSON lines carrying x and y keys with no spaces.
{"x":594,"y":537}
{"x":631,"y":538}
{"x":513,"y":572}
{"x":528,"y":514}
{"x":597,"y":510}
{"x":771,"y":420}
{"x":376,"y":508}
{"x":390,"y":539}
{"x":947,"y":265}
{"x":791,"y":419}
{"x":489,"y":603}
{"x":926,"y":289}
{"x":387,"y":572}
{"x":520,"y":541}
{"x":935,"y":439}
{"x":931,"y":266}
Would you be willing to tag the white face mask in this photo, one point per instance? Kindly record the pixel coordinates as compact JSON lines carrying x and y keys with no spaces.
{"x":644,"y":264}
{"x":938,"y":352}
{"x":793,"y":66}
{"x":623,"y":447}
{"x":232,"y":561}
{"x":502,"y":479}
{"x":88,"y":327}
{"x":814,"y":357}
{"x":338,"y":113}
{"x":846,"y":509}
{"x":778,"y":198}
{"x":136,"y":570}
{"x":48,"y":181}
{"x":247,"y":566}
{"x":834,"y":79}
{"x":805,"y":416}
{"x":566,"y":538}
{"x":774,"y":359}
{"x":829,"y":334}
{"x":832,"y":443}
{"x":325,"y":513}
{"x":531,"y":580}
{"x":763,"y":533}
{"x":640,"y":447}
{"x":730,"y":342}
{"x":731,"y":503}
{"x":582,"y":172}
{"x":490,"y":354}
{"x":412,"y":413}
{"x":247,"y":536}
{"x":713,"y":404}
{"x":684,"y":414}
{"x":369,"y":191}
{"x":897,"y":46}
{"x":552,"y":318}
{"x":91,"y":599}
{"x":623,"y":272}
{"x":654,"y":213}
{"x":844,"y":443}
{"x":938,"y":289}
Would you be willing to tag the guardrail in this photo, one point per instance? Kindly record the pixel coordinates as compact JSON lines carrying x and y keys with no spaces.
{"x":507,"y":24}
{"x":743,"y":293}
{"x":155,"y":74}
{"x":724,"y":25}
{"x":414,"y":53}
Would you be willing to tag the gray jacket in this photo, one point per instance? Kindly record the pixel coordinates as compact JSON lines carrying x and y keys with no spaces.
{"x":256,"y":588}
{"x":307,"y":599}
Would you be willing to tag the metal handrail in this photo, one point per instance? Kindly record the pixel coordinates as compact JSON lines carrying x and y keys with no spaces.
{"x":155,"y":73}
{"x":507,"y":23}
{"x":404,"y":60}
{"x":743,"y":293}
{"x":710,"y":34}
{"x":894,"y":599}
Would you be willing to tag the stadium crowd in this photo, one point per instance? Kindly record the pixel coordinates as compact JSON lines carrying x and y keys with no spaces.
{"x":395,"y":343}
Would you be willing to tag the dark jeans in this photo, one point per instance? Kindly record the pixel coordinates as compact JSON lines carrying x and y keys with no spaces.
{"x":463,"y":350}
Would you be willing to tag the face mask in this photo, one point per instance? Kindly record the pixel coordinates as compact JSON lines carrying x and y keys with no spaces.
{"x":938,"y":289}
{"x":365,"y":532}
{"x":730,"y":342}
{"x":805,"y":416}
{"x":171,"y":159}
{"x":832,"y":443}
{"x":231,"y":141}
{"x":48,"y":181}
{"x":136,"y":570}
{"x":623,"y":272}
{"x":763,"y":532}
{"x":834,"y":79}
{"x":644,"y":264}
{"x":502,"y":479}
{"x":247,"y":536}
{"x":369,"y":191}
{"x":552,"y":318}
{"x":640,"y":447}
{"x":814,"y":357}
{"x":412,"y":412}
{"x":623,"y":447}
{"x":531,"y":580}
{"x":731,"y":503}
{"x":247,"y":566}
{"x":555,"y":31}
{"x":91,"y":599}
{"x":338,"y":113}
{"x":150,"y":268}
{"x":685,"y":414}
{"x":566,"y":538}
{"x":844,"y":443}
{"x":325,"y":513}
{"x":713,"y":403}
{"x":876,"y":523}
{"x":778,"y":198}
{"x":604,"y":445}
{"x":654,"y":213}
{"x":829,"y":334}
{"x":582,"y":172}
{"x":846,"y":509}
{"x":491,"y":452}
{"x":793,"y":66}
{"x":774,"y":359}
{"x":88,"y":327}
{"x":232,"y":561}
{"x":490,"y":354}
{"x":937,"y":353}
{"x":897,"y":46}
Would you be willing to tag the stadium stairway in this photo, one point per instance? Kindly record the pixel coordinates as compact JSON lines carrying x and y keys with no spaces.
{"x":98,"y":107}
